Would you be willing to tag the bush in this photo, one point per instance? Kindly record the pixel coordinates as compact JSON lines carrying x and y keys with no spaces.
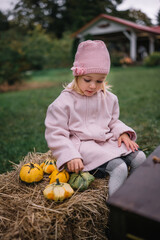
{"x":42,"y":51}
{"x":32,"y":51}
{"x":12,"y":62}
{"x":116,"y":59}
{"x":152,"y":60}
{"x":60,"y":54}
{"x":36,"y":48}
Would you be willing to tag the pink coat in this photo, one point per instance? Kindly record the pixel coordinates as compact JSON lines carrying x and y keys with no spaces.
{"x":85,"y":127}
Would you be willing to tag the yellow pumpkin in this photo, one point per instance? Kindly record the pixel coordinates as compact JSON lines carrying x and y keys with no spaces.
{"x":49,"y":165}
{"x":58,"y":191}
{"x":63,"y":176}
{"x":31,"y":172}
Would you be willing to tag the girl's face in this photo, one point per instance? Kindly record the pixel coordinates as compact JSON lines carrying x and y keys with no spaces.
{"x":91,"y":83}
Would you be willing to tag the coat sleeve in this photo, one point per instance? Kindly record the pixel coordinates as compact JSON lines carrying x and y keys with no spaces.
{"x":118,"y":127}
{"x":57,"y":135}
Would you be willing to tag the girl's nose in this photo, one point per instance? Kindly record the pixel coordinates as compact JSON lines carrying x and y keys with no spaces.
{"x":93,"y":85}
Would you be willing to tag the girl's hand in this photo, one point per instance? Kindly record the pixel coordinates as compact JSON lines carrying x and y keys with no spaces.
{"x":75,"y":165}
{"x":128,"y":142}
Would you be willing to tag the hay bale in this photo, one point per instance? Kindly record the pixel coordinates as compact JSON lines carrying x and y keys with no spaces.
{"x":26,"y":214}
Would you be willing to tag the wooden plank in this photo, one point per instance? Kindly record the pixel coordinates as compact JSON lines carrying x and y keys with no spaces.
{"x":124,"y":224}
{"x":140,"y":194}
{"x":117,"y":227}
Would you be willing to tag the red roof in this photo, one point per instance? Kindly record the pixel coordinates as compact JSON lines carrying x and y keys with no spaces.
{"x":157,"y":28}
{"x":154,"y":30}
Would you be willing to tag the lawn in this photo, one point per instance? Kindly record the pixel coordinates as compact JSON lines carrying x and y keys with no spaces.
{"x":22,"y":113}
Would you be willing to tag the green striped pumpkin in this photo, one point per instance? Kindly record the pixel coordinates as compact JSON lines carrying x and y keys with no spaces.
{"x":81,"y":180}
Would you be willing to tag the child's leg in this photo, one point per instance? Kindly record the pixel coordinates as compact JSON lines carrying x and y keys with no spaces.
{"x":134,"y":159}
{"x":118,"y":172}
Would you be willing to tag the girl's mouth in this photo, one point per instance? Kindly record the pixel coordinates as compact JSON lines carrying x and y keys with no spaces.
{"x":90,"y":91}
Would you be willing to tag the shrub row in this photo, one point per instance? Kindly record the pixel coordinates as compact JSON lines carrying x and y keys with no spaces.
{"x":152,"y":60}
{"x":118,"y":59}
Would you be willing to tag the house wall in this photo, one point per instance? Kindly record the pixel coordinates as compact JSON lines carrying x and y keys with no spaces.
{"x":103,"y":27}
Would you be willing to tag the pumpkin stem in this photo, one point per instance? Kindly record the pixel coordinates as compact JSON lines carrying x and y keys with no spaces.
{"x":57,"y":180}
{"x":32,"y":165}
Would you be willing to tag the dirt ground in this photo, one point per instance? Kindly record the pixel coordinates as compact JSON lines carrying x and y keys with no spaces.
{"x":25,"y":86}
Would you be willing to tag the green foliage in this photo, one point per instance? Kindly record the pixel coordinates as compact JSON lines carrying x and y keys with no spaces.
{"x":4,"y":22}
{"x":115,"y":59}
{"x":75,"y":44}
{"x":60,"y":54}
{"x":60,"y":16}
{"x":36,"y":48}
{"x":133,"y":15}
{"x":152,"y":60}
{"x":33,"y":51}
{"x":78,"y":13}
{"x":11,"y":57}
{"x":158,"y":17}
{"x":46,"y":51}
{"x":9,"y":65}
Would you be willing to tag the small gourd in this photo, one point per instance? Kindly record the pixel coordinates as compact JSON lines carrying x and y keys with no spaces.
{"x":62,"y":175}
{"x":31,"y":172}
{"x":81,"y":180}
{"x":58,"y":191}
{"x":49,"y":165}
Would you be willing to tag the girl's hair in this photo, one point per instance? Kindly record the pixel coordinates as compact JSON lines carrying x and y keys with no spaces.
{"x":74,"y":86}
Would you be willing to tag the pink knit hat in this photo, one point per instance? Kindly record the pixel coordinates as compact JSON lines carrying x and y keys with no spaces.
{"x":91,"y":57}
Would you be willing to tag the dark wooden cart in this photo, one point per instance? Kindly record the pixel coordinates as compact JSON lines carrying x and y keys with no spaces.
{"x":135,"y":207}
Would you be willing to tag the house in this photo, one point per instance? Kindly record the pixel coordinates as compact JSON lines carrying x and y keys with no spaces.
{"x":122,"y":35}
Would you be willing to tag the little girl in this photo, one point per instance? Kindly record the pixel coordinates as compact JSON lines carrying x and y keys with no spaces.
{"x":82,"y":126}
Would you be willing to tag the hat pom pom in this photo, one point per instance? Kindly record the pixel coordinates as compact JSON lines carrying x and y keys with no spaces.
{"x":77,"y":71}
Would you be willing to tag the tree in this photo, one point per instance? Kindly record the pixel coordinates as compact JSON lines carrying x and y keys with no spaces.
{"x":80,"y":12}
{"x":139,"y":17}
{"x":158,"y":17}
{"x":61,"y":15}
{"x":133,"y":15}
{"x":4,"y":22}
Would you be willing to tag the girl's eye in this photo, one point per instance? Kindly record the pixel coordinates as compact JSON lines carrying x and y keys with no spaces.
{"x":86,"y":80}
{"x":99,"y":81}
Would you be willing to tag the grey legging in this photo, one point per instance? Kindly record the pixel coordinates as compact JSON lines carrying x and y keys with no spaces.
{"x":118,"y":169}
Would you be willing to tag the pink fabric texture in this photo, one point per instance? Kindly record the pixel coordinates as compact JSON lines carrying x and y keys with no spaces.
{"x":84,"y":127}
{"x":91,"y":57}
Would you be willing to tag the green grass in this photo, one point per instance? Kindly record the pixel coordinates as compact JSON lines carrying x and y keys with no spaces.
{"x":51,"y":75}
{"x":22,"y":114}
